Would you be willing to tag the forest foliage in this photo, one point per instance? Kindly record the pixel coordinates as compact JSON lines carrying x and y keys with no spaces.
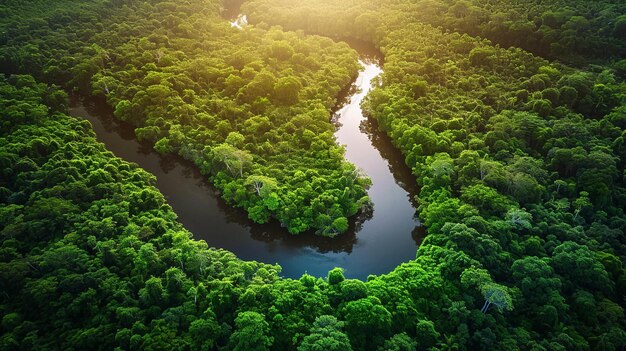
{"x":247,"y":107}
{"x":520,"y":161}
{"x":576,"y":32}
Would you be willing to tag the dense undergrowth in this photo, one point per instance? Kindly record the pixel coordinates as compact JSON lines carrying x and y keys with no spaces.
{"x":520,"y":162}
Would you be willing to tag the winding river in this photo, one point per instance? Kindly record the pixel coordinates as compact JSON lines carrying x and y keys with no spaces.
{"x":376,"y":241}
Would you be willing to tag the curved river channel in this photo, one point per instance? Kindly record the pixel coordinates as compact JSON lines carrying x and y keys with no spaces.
{"x":376,"y":242}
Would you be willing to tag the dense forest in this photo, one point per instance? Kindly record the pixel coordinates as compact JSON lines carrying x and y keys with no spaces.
{"x":577,"y":32}
{"x":511,"y":115}
{"x":251,"y":109}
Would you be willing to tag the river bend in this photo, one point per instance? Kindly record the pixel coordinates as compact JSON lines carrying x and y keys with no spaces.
{"x":376,"y":242}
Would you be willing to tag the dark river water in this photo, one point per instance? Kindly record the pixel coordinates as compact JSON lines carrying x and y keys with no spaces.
{"x":376,"y":242}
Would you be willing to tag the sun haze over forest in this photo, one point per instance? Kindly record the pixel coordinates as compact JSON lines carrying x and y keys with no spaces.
{"x":313,"y":175}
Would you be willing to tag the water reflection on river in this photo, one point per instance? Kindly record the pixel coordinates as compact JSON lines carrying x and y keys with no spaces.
{"x":376,"y":241}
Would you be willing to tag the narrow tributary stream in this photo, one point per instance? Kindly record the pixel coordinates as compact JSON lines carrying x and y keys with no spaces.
{"x":376,"y":242}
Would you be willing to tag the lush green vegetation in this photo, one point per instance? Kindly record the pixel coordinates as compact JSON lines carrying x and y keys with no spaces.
{"x":576,"y":32}
{"x":251,"y":108}
{"x":571,"y":31}
{"x":92,"y":256}
{"x":520,"y":162}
